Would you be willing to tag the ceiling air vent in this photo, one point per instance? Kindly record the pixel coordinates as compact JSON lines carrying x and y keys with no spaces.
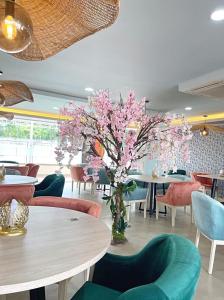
{"x":213,"y":89}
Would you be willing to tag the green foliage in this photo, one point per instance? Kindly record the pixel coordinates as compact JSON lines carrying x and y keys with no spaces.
{"x":22,"y":131}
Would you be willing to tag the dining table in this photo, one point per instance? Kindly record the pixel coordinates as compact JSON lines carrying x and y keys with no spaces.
{"x":59,"y":244}
{"x":215,"y":178}
{"x":152,"y":187}
{"x":18,"y":180}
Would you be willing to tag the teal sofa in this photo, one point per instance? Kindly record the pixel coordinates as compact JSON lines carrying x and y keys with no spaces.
{"x":167,"y":268}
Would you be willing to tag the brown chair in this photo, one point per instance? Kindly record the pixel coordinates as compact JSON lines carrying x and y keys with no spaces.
{"x":23,"y":170}
{"x":206,"y":182}
{"x":77,"y":175}
{"x":33,"y":170}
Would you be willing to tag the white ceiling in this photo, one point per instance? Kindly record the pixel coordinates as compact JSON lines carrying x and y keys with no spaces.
{"x":153,"y":46}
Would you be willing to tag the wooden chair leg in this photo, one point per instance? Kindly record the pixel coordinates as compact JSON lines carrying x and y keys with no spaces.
{"x":192,"y":215}
{"x":79,"y":188}
{"x":86,"y":274}
{"x":173,"y":215}
{"x":212,"y":257}
{"x":157,"y":210}
{"x":84,"y":186}
{"x":128,"y":212}
{"x":185,"y":209}
{"x":72,"y":185}
{"x":197,"y":239}
{"x":145,"y":209}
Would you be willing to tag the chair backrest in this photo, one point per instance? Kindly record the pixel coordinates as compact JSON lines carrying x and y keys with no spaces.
{"x":52,"y":185}
{"x":9,"y":171}
{"x":209,"y":215}
{"x":9,"y":162}
{"x":77,"y":173}
{"x":33,"y":170}
{"x":179,"y":193}
{"x":103,"y":177}
{"x":179,"y":171}
{"x":202,"y":180}
{"x":86,"y":206}
{"x":23,"y":170}
{"x":167,"y":268}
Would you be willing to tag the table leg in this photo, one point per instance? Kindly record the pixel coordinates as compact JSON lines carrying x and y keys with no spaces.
{"x":154,"y":196}
{"x":62,"y":289}
{"x":37,"y":294}
{"x":151,"y":199}
{"x":2,"y":297}
{"x":214,"y":183}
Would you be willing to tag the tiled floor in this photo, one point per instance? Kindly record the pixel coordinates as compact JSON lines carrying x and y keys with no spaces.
{"x":140,"y":232}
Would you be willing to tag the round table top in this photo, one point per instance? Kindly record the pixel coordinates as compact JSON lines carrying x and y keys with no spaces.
{"x":18,"y":180}
{"x":150,"y":179}
{"x":59,"y":244}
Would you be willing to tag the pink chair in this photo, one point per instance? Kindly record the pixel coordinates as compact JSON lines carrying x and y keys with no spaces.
{"x":23,"y":193}
{"x":177,"y":195}
{"x":33,"y":170}
{"x":85,"y":206}
{"x":23,"y":170}
{"x":206,"y":182}
{"x":77,"y":175}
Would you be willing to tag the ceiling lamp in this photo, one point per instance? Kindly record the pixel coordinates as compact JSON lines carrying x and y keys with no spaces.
{"x":204,"y":132}
{"x":58,"y":24}
{"x":15,"y":27}
{"x":14,"y":92}
{"x":8,"y":116}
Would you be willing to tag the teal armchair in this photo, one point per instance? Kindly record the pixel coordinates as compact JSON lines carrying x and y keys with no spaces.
{"x":52,"y":185}
{"x":209,"y":216}
{"x":167,"y":268}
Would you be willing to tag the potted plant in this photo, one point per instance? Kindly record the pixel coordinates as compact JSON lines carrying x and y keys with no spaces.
{"x":128,"y":135}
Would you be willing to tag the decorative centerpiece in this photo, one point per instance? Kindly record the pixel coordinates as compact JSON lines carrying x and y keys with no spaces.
{"x":13,"y":217}
{"x":2,"y":173}
{"x":128,"y":135}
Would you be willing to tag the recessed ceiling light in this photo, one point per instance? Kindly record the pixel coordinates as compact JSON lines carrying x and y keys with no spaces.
{"x":55,"y":107}
{"x":1,"y":73}
{"x":188,"y":108}
{"x":89,"y":89}
{"x":218,"y":15}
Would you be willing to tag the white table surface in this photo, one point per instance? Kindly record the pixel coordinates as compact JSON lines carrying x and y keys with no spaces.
{"x":150,"y":179}
{"x":18,"y":180}
{"x":55,"y":248}
{"x":212,"y":176}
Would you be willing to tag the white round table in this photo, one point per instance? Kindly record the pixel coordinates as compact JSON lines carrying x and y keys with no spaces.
{"x":59,"y":244}
{"x":18,"y":180}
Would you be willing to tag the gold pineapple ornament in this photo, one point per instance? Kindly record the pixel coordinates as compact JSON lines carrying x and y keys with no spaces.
{"x":13,"y":217}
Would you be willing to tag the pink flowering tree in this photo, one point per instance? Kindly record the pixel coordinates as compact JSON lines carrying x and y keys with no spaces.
{"x":128,"y":135}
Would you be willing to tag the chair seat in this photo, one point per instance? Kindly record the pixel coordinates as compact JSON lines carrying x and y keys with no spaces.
{"x":92,"y":291}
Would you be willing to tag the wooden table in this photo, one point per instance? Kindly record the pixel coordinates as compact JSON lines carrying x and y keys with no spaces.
{"x":18,"y":180}
{"x":214,"y":178}
{"x":59,"y":244}
{"x":153,"y":184}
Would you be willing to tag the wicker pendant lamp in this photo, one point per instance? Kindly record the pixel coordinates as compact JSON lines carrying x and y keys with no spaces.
{"x":58,"y":24}
{"x":14,"y":92}
{"x":8,"y":116}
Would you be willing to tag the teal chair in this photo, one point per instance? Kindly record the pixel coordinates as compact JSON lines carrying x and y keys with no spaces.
{"x":209,"y":217}
{"x":167,"y":268}
{"x":52,"y":185}
{"x":139,"y":195}
{"x":178,"y":171}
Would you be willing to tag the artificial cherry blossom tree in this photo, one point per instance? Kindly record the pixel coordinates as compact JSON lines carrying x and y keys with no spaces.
{"x":128,"y":135}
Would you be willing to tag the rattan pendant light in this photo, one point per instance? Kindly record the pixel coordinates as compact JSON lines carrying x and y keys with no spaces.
{"x":57,"y":24}
{"x":6,"y":115}
{"x":14,"y":92}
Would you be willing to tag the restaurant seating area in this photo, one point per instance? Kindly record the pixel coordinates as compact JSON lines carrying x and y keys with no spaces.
{"x":111,"y":150}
